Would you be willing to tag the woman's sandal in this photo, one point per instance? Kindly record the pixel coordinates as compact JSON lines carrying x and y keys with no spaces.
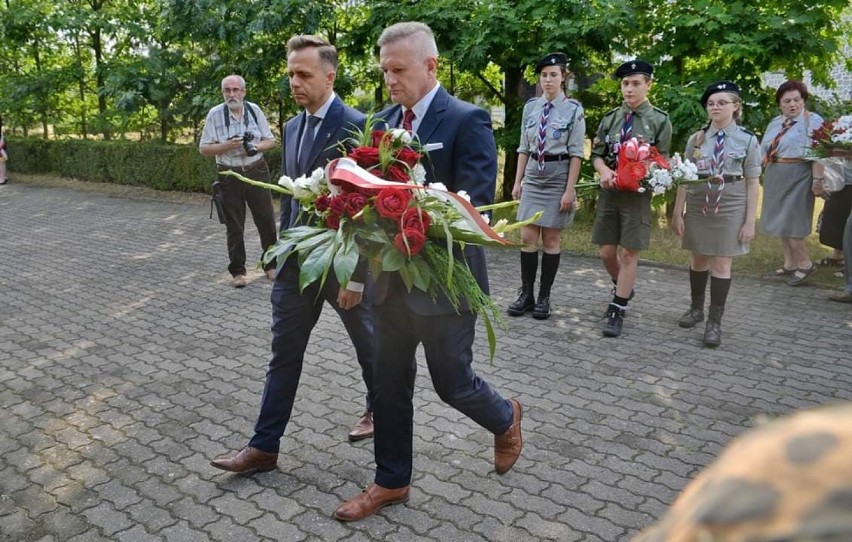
{"x":781,"y":272}
{"x":801,"y":275}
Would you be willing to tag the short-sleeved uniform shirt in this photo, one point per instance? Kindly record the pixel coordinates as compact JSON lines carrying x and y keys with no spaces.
{"x":624,"y":218}
{"x":796,"y":142}
{"x":217,"y":130}
{"x":566,"y":127}
{"x":742,"y":155}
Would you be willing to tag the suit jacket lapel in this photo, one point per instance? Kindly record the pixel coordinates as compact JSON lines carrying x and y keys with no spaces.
{"x":330,"y":124}
{"x":291,"y":143}
{"x":434,"y":116}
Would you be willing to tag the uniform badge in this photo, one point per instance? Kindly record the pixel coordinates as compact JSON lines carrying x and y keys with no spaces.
{"x":557,"y":134}
{"x":616,"y":147}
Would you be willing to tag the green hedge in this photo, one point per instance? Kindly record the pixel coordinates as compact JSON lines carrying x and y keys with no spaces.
{"x":159,"y":166}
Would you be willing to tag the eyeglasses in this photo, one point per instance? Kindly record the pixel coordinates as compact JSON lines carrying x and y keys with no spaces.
{"x":228,"y":90}
{"x":722,"y":103}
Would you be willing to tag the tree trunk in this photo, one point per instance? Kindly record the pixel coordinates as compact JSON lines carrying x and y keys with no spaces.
{"x":97,"y":48}
{"x":515,"y":97}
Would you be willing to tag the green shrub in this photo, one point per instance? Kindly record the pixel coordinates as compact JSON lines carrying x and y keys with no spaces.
{"x":155,"y":165}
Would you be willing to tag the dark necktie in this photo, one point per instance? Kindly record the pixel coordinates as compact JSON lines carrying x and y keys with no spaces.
{"x":408,"y":120}
{"x":772,"y":151}
{"x":542,"y":134}
{"x":307,"y":143}
{"x":627,"y":127}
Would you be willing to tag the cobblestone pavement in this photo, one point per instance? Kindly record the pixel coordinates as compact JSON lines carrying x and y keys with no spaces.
{"x":127,"y":361}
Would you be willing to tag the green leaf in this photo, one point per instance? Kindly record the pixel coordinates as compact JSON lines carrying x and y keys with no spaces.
{"x":317,"y":263}
{"x":392,"y":259}
{"x":405,"y":275}
{"x":345,"y":260}
{"x":421,"y":273}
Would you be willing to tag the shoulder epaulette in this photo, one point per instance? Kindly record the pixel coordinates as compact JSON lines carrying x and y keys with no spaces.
{"x":746,"y":130}
{"x":658,"y":110}
{"x":612,"y":112}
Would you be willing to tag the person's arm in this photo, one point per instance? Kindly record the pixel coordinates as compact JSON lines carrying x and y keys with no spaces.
{"x":475,"y":158}
{"x":751,"y":173}
{"x":267,"y":138}
{"x":209,"y":145}
{"x":599,"y":150}
{"x":523,"y":158}
{"x":575,"y":149}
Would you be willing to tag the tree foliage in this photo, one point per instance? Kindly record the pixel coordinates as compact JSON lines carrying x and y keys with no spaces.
{"x":153,"y":67}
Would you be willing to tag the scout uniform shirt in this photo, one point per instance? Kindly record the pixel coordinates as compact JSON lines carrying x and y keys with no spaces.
{"x":796,"y":143}
{"x":566,"y":127}
{"x":649,"y":123}
{"x":742,"y":155}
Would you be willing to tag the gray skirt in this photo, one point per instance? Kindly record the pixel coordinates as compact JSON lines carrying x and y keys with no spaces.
{"x":708,"y":232}
{"x":543,"y":192}
{"x":788,"y":203}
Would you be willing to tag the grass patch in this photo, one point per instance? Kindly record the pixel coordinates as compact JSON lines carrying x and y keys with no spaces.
{"x":765,"y":253}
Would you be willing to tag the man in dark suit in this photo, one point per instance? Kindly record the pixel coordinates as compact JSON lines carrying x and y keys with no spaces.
{"x":310,"y":141}
{"x":463,"y":156}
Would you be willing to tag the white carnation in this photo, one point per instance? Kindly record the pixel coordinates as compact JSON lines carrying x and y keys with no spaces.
{"x":286,"y":182}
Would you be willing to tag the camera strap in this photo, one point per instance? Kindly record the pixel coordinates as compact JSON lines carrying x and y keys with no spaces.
{"x":227,"y":116}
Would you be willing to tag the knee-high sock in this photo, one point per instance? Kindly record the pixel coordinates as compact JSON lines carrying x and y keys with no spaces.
{"x":529,"y":267}
{"x":719,"y":291}
{"x":698,"y":287}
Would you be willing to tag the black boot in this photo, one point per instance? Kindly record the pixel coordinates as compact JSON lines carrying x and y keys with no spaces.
{"x":525,"y":302}
{"x":694,"y":315}
{"x":713,"y":331}
{"x":542,"y":306}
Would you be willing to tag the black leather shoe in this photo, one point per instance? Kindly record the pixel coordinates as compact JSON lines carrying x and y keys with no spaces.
{"x":542,"y":308}
{"x":614,"y":322}
{"x":525,"y":302}
{"x":691,"y":317}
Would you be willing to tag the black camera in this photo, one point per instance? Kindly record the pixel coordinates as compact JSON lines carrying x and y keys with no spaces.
{"x":248,"y":143}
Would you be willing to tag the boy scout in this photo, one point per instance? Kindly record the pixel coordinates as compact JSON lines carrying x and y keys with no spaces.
{"x":623,"y":219}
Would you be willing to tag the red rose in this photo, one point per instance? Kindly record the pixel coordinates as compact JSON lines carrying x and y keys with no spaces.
{"x":378,"y":135}
{"x":322,"y":203}
{"x":366,"y":157}
{"x":338,"y":204}
{"x":397,"y":173}
{"x":416,"y":218}
{"x":409,"y":156}
{"x":392,"y":202}
{"x":333,"y":221}
{"x":354,"y":203}
{"x":415,"y":239}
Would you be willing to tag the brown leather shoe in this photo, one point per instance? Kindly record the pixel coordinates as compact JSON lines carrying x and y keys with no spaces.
{"x":246,"y":461}
{"x":370,"y":501}
{"x":239,"y":281}
{"x":507,"y":447}
{"x":363,"y":428}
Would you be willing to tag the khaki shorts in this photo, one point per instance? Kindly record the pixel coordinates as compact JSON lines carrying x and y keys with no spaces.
{"x":624,"y":219}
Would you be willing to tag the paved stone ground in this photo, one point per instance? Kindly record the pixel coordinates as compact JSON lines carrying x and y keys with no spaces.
{"x":127,"y":360}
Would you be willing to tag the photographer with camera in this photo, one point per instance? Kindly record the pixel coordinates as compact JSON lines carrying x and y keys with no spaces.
{"x":237,"y":133}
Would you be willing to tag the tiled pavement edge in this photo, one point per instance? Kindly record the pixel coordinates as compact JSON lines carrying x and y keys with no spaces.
{"x":126,"y":361}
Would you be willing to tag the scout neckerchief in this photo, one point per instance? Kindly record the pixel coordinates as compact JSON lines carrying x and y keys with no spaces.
{"x":542,"y":134}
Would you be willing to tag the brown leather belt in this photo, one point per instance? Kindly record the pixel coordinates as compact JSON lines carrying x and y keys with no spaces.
{"x":788,"y":160}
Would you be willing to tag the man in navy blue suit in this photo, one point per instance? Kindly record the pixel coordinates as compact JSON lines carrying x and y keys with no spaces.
{"x":310,"y":141}
{"x":463,"y":156}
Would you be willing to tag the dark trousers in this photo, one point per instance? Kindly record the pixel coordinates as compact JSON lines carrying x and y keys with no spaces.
{"x":294,"y":315}
{"x":833,"y":220}
{"x":447,"y":342}
{"x":235,"y":196}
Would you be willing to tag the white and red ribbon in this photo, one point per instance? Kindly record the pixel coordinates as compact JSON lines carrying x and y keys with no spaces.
{"x":347,"y":170}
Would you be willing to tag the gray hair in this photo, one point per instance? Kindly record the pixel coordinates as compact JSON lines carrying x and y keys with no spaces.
{"x":327,"y":52}
{"x":239,"y":78}
{"x":419,"y":31}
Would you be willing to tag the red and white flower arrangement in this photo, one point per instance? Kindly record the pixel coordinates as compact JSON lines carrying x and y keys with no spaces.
{"x":375,"y":204}
{"x":641,"y":167}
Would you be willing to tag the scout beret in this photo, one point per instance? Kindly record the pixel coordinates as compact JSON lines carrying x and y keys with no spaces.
{"x":719,"y":86}
{"x":632,"y":67}
{"x":553,"y":59}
